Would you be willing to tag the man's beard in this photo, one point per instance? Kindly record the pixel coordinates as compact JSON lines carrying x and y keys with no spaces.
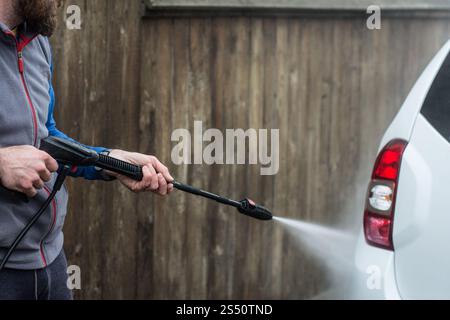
{"x":39,"y":15}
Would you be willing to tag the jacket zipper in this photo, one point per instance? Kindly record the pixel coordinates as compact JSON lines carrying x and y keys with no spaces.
{"x":19,"y":47}
{"x":30,"y":103}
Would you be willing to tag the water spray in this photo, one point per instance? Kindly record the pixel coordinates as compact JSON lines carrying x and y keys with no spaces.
{"x":70,"y":155}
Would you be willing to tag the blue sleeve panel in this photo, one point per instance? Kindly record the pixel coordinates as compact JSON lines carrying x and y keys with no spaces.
{"x":88,"y":173}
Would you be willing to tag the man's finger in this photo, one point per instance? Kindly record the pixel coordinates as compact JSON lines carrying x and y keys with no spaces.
{"x":162,"y":185}
{"x":154,"y":179}
{"x":38,"y":184}
{"x":30,"y":192}
{"x":147,"y":178}
{"x":45,"y":175}
{"x":50,"y":163}
{"x":160,"y":168}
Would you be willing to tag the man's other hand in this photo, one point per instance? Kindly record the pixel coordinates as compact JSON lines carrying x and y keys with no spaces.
{"x":157,"y":178}
{"x":25,"y":169}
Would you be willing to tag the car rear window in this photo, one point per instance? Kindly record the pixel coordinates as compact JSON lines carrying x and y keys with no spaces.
{"x":436,"y":108}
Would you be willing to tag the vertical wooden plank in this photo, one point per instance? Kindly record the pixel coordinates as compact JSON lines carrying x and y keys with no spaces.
{"x":252,"y":231}
{"x":200,"y":100}
{"x":146,"y":214}
{"x":119,"y":225}
{"x":293,"y":280}
{"x":160,"y":104}
{"x":239,"y":93}
{"x":217,"y":69}
{"x":268,"y":268}
{"x":280,"y":121}
{"x":178,"y":219}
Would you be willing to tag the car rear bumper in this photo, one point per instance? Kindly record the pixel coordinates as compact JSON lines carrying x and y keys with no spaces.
{"x":373,"y":277}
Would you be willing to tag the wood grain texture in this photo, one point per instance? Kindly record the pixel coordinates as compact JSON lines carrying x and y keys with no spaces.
{"x":330,"y":85}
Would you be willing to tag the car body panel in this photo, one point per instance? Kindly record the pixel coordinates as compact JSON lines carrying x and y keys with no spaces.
{"x":422,"y":219}
{"x":374,"y":276}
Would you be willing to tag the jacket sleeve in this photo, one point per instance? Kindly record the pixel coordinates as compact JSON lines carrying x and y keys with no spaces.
{"x":89,"y":173}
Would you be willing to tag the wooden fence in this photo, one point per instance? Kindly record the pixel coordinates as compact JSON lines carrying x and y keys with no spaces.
{"x":126,"y":81}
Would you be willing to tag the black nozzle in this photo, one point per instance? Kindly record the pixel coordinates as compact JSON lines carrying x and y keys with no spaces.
{"x":251,"y":209}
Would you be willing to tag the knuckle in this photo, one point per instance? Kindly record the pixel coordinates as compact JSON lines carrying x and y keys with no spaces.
{"x":53,"y":163}
{"x":26,"y":185}
{"x":43,"y":155}
{"x":37,"y":180}
{"x":23,"y":182}
{"x":45,"y":174}
{"x":40,"y":166}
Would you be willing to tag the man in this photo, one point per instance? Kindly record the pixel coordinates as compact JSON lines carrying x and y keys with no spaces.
{"x":37,"y":269}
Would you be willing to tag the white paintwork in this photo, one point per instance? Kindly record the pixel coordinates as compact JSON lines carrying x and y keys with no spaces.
{"x":371,"y":263}
{"x":422,"y":219}
{"x":420,"y":265}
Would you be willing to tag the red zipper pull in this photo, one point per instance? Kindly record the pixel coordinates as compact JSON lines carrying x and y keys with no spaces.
{"x":20,"y":61}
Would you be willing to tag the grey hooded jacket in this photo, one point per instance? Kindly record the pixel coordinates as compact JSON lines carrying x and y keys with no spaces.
{"x":26,"y":117}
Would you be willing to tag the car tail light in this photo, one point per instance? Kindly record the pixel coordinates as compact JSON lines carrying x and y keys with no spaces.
{"x":380,"y":205}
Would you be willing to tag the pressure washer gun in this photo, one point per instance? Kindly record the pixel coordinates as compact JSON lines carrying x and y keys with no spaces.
{"x":69,"y":153}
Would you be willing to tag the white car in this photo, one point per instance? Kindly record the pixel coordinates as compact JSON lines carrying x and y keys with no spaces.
{"x":403,"y":251}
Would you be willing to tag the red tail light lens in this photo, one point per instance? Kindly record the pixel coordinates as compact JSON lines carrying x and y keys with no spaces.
{"x":378,"y":230}
{"x":380,"y":205}
{"x":388,"y":163}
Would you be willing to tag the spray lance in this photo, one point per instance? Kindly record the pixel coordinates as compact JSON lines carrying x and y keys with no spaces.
{"x":71,"y":154}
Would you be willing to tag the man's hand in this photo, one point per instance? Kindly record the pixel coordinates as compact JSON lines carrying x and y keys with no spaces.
{"x":156,"y":176}
{"x":25,"y":169}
